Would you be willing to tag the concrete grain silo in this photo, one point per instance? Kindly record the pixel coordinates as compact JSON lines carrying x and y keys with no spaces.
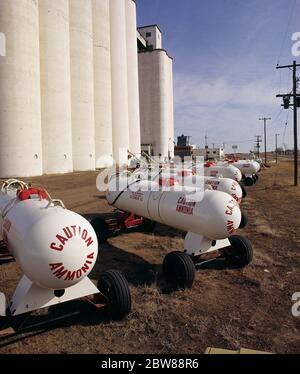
{"x":154,"y":71}
{"x":55,"y":86}
{"x":171,"y":109}
{"x":102,"y":84}
{"x":82,"y":84}
{"x":20,"y":118}
{"x":156,"y":94}
{"x":133,"y":83}
{"x":120,"y":120}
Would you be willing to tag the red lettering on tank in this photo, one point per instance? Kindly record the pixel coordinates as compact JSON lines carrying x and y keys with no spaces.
{"x":59,"y":273}
{"x":84,"y":234}
{"x":70,"y":276}
{"x":230,"y":227}
{"x":78,"y":273}
{"x":89,"y":241}
{"x":61,"y":239}
{"x":55,"y":266}
{"x":85,"y":268}
{"x":56,"y":248}
{"x":74,"y":230}
{"x":68,"y":232}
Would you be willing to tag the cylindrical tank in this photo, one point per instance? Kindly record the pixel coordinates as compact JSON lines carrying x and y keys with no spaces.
{"x":216,"y":216}
{"x":102,"y":84}
{"x":171,"y":109}
{"x":82,"y":84}
{"x":119,"y":80}
{"x":132,"y":75}
{"x":55,"y":86}
{"x":226,"y":171}
{"x":54,"y":247}
{"x":20,"y":114}
{"x":227,"y":185}
{"x":247,"y":167}
{"x":154,"y":100}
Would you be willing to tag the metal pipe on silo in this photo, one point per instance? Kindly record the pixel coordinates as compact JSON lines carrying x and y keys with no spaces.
{"x":119,"y":80}
{"x":82,"y":84}
{"x":133,"y":83}
{"x":102,"y":84}
{"x":20,"y":117}
{"x":55,"y":86}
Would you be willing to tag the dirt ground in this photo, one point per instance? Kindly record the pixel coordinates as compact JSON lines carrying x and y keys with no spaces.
{"x":226,"y":308}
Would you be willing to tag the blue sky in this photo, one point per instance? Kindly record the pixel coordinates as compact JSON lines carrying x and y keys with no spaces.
{"x":225,"y":53}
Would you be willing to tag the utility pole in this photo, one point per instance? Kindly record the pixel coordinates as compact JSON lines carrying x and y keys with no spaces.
{"x":206,"y":147}
{"x":258,"y":140}
{"x":265,"y":135}
{"x":276,"y":146}
{"x":286,"y":105}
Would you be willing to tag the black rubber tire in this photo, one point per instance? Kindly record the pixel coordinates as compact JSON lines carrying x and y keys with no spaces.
{"x":114,"y":286}
{"x":3,"y":322}
{"x":148,"y":225}
{"x":179,"y":269}
{"x":244,"y":220}
{"x":101,"y":228}
{"x":242,"y":251}
{"x":244,"y":191}
{"x":249,"y":181}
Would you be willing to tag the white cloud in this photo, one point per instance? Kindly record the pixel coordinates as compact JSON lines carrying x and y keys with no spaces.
{"x":228,"y":111}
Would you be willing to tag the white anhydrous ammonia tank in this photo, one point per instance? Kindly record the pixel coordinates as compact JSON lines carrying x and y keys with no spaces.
{"x":155,"y":100}
{"x":120,"y":119}
{"x":55,"y":86}
{"x":102,"y":84}
{"x":226,"y":171}
{"x":216,"y":216}
{"x":55,"y":248}
{"x":82,"y":84}
{"x":20,"y":115}
{"x":133,"y":83}
{"x":247,"y":167}
{"x":227,"y":185}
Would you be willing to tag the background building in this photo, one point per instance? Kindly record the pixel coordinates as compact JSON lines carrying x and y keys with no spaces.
{"x":156,"y":94}
{"x":70,"y":90}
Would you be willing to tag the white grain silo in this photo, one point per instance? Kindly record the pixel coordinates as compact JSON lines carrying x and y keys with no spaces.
{"x":154,"y":100}
{"x":82,"y":84}
{"x":102,"y":84}
{"x":119,"y":80}
{"x":171,"y":109}
{"x":20,"y":117}
{"x":133,"y":83}
{"x":55,"y":86}
{"x":156,"y":94}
